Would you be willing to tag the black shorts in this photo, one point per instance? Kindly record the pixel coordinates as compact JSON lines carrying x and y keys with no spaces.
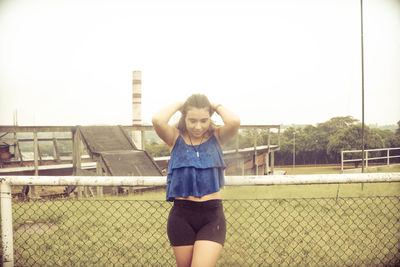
{"x":190,"y":221}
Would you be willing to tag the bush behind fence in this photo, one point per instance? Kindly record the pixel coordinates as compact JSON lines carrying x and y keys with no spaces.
{"x":310,"y":231}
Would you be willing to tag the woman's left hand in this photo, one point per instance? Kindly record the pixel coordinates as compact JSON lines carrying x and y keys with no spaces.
{"x":215,"y":107}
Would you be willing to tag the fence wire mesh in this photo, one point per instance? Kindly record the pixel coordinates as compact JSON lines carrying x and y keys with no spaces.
{"x":324,"y":231}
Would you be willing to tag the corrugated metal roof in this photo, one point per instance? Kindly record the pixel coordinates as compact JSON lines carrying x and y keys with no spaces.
{"x":117,"y":152}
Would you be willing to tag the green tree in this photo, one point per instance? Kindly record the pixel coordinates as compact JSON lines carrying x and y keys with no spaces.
{"x":157,"y":150}
{"x":350,"y":138}
{"x":325,"y":131}
{"x":398,"y":129}
{"x":285,"y":155}
{"x":335,"y":124}
{"x":246,"y":138}
{"x":395,"y":141}
{"x":313,"y":142}
{"x":310,"y":146}
{"x":388,"y":137}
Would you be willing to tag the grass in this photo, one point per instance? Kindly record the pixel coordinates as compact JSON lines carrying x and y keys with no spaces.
{"x":390,"y":168}
{"x":91,"y":233}
{"x":346,"y":231}
{"x":312,"y":232}
{"x":267,"y":225}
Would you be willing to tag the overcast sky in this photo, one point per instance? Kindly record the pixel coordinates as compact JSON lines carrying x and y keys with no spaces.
{"x":271,"y":62}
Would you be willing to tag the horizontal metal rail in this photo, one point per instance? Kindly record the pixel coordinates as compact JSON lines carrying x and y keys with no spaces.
{"x":375,"y":149}
{"x":367,"y":157}
{"x":374,"y":158}
{"x":229,"y":180}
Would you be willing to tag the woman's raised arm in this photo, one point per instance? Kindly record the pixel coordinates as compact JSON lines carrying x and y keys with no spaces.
{"x":231,"y":123}
{"x":160,"y":121}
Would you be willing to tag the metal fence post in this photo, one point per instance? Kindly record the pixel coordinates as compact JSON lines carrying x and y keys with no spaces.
{"x":6,"y":225}
{"x":341,"y":160}
{"x":387,"y":154}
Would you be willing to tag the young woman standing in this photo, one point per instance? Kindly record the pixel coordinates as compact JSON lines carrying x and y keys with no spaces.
{"x":196,"y":223}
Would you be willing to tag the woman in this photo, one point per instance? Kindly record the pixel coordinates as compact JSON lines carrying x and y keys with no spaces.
{"x":196,"y":223}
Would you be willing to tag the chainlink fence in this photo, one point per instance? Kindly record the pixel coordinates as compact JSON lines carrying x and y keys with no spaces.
{"x":260,"y":232}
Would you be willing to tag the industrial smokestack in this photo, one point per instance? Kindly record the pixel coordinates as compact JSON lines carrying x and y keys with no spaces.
{"x":137,"y":107}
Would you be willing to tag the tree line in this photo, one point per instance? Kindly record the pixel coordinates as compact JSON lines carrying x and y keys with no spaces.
{"x":323,"y":143}
{"x":320,"y":144}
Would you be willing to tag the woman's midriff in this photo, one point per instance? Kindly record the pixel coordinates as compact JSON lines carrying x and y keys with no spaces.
{"x":216,"y":195}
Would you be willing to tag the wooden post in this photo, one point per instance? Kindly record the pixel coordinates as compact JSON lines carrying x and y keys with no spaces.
{"x":255,"y":150}
{"x":39,"y":155}
{"x":17,"y":151}
{"x":20,"y":153}
{"x":272,"y":162}
{"x":267,"y":155}
{"x":32,"y":189}
{"x":99,"y":172}
{"x":35,"y":152}
{"x":76,"y":152}
{"x":76,"y":157}
{"x":265,"y":159}
{"x":56,"y":154}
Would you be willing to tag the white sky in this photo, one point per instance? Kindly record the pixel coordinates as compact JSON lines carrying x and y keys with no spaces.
{"x":273,"y":61}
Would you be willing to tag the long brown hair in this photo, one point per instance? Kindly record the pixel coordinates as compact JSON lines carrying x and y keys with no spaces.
{"x":195,"y":101}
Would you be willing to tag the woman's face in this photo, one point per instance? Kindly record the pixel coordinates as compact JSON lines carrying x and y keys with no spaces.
{"x":197,"y":121}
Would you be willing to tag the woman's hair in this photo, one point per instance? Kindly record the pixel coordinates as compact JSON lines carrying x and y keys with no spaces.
{"x":195,"y":101}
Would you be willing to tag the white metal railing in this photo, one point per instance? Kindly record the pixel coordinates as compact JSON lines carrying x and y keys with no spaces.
{"x":366,"y":151}
{"x":7,"y":181}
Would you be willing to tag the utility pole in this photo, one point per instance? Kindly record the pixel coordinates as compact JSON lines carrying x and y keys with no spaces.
{"x":362,"y":87}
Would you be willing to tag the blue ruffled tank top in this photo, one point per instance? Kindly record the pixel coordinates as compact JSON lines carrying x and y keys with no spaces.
{"x":189,"y":175}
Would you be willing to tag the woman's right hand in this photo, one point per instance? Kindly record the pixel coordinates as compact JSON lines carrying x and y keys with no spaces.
{"x":181,"y":104}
